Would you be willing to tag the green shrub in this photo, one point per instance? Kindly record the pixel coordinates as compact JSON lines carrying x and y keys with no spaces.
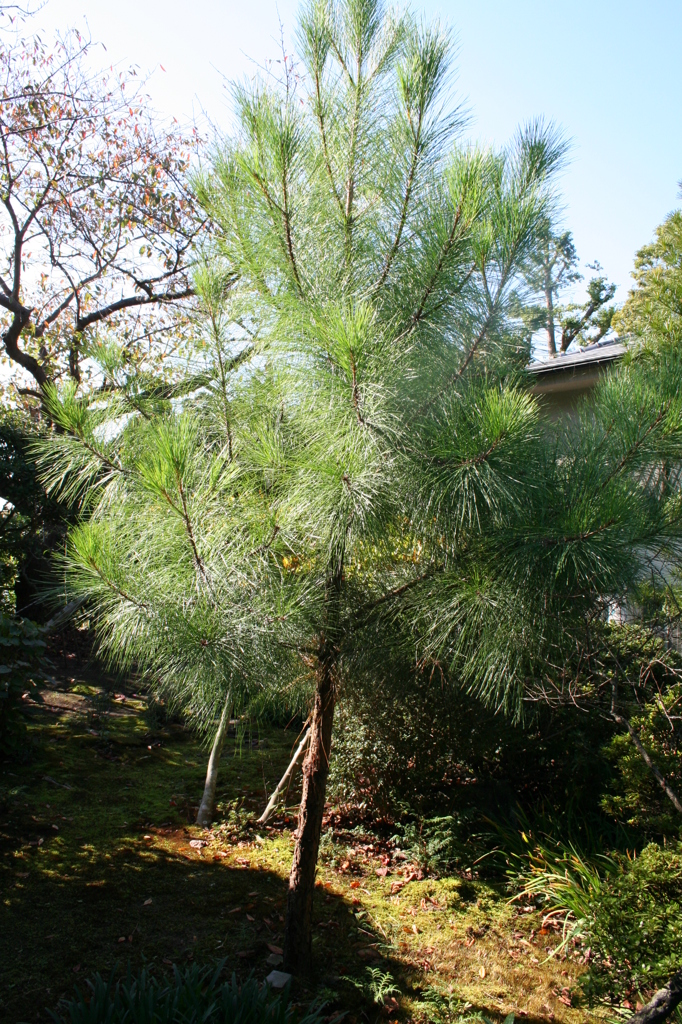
{"x":409,"y":740}
{"x":21,"y":660}
{"x":634,"y":925}
{"x":634,"y":796}
{"x":625,"y":909}
{"x":33,"y":522}
{"x":195,"y":995}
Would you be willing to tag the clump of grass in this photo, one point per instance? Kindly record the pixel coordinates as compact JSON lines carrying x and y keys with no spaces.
{"x":564,"y":880}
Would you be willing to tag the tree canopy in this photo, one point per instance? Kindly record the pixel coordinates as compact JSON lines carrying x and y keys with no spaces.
{"x":653,"y":310}
{"x":98,"y":221}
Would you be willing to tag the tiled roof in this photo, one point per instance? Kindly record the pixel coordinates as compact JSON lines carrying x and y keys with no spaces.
{"x":601,"y":352}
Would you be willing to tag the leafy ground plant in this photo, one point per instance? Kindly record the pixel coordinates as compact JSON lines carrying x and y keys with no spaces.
{"x":193,"y":994}
{"x":379,"y":985}
{"x":445,"y":1008}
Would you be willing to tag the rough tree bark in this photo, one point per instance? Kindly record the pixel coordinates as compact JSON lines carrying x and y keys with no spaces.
{"x":298,"y":928}
{"x":284,"y":781}
{"x":205,"y":812}
{"x":662,"y":1005}
{"x":551,"y":337}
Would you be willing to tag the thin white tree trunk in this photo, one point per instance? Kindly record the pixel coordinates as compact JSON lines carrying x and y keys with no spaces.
{"x":284,"y":781}
{"x":205,"y":812}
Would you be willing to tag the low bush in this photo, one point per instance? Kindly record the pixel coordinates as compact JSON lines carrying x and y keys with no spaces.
{"x":634,"y":925}
{"x":194,"y":995}
{"x":415,"y":742}
{"x":627,"y":910}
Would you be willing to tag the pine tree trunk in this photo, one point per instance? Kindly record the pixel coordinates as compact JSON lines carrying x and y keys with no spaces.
{"x":549,"y":299}
{"x":299,"y":923}
{"x":205,"y":812}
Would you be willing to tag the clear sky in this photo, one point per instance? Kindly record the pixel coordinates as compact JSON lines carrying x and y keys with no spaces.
{"x":608,"y":71}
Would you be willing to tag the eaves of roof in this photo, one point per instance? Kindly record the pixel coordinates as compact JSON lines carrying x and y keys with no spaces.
{"x":602,"y":352}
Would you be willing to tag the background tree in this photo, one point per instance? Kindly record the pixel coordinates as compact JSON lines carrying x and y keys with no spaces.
{"x":590,"y":321}
{"x":362,"y":476}
{"x":553,"y":267}
{"x":97,"y":216}
{"x":653,"y":310}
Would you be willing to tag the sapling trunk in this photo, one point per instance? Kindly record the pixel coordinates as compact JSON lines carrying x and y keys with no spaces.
{"x":284,"y":781}
{"x":205,"y":812}
{"x":299,"y":924}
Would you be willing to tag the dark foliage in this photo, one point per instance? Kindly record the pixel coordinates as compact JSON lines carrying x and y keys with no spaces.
{"x":193,"y":995}
{"x":21,"y":659}
{"x":32,"y":525}
{"x":432,"y":748}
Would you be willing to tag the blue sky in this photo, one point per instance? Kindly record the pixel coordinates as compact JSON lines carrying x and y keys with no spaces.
{"x":608,"y":72}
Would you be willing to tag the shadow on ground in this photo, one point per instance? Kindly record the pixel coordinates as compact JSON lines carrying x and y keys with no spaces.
{"x":101,"y":866}
{"x":97,"y":870}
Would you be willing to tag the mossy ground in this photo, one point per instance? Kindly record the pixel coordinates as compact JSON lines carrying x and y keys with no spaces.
{"x":98,"y":870}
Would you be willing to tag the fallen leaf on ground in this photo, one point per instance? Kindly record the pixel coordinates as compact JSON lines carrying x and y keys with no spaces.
{"x":249,"y":918}
{"x":147,"y":902}
{"x":235,"y":911}
{"x":274,"y":949}
{"x":382,"y":872}
{"x":481,"y":972}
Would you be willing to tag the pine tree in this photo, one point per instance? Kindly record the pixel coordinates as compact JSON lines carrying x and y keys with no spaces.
{"x":355,"y":473}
